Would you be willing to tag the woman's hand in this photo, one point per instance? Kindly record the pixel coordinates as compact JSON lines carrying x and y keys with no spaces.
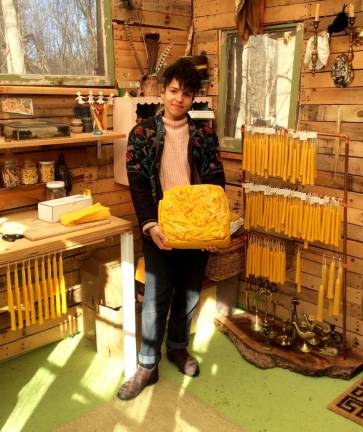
{"x":158,"y":237}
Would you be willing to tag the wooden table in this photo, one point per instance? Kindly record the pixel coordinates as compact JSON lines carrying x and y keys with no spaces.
{"x":26,"y":249}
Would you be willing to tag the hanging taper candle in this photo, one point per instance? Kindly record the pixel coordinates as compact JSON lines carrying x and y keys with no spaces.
{"x":324,"y":275}
{"x":50,"y":288}
{"x":298,"y":271}
{"x":338,"y":290}
{"x":10,"y":299}
{"x":320,"y":305}
{"x":45,"y":291}
{"x":31,"y":294}
{"x":38,"y":291}
{"x":62,"y":285}
{"x":18,"y":298}
{"x":331,"y":280}
{"x":56,"y":287}
{"x":25,"y":295}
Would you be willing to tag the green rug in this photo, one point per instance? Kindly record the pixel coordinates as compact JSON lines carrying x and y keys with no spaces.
{"x":50,"y":387}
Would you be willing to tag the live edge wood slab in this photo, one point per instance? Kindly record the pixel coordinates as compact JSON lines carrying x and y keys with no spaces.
{"x":250,"y":346}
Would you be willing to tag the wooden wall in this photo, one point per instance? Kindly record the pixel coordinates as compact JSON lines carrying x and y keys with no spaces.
{"x":320,"y":106}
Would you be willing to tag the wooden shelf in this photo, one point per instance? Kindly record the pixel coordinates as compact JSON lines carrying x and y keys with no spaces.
{"x":50,"y":90}
{"x":73,"y":139}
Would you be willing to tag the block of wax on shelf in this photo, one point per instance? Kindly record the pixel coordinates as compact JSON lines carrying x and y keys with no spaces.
{"x":92,"y":213}
{"x":53,"y":210}
{"x":195,"y":217}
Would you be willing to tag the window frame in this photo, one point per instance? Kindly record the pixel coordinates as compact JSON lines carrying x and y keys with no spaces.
{"x":234,"y":145}
{"x":106,"y":80}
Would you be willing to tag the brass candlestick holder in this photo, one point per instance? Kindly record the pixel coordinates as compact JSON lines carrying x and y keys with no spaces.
{"x":351,"y":51}
{"x":314,"y":53}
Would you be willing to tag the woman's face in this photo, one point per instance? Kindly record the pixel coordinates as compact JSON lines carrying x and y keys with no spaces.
{"x":177,"y":100}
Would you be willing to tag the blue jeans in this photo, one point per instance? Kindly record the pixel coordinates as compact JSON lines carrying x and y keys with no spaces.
{"x":173,"y":281}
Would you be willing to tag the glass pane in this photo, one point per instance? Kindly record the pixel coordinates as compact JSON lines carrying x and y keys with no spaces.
{"x":259,"y":81}
{"x":51,"y":37}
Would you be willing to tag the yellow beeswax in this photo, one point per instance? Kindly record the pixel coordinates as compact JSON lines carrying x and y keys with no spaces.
{"x":62,"y":286}
{"x":31,"y":294}
{"x":18,"y":298}
{"x":10,"y":299}
{"x":45,"y":291}
{"x":25,"y":296}
{"x":331,"y":280}
{"x":56,"y":287}
{"x":298,"y":271}
{"x":330,"y":307}
{"x":320,"y":305}
{"x":338,"y":290}
{"x":337,"y":227}
{"x":50,"y":288}
{"x":324,"y":276}
{"x":38,"y":291}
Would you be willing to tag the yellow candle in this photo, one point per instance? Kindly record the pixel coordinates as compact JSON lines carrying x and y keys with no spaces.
{"x":10,"y":300}
{"x":25,"y":296}
{"x":18,"y":298}
{"x":38,"y":291}
{"x":298,"y":271}
{"x":320,"y":306}
{"x":337,"y":227}
{"x":351,"y":10}
{"x":331,"y":280}
{"x":56,"y":287}
{"x":330,"y":307}
{"x":324,"y":276}
{"x":338,"y":290}
{"x":45,"y":291}
{"x":50,"y":288}
{"x":31,"y":295}
{"x":317,"y":10}
{"x":62,"y":286}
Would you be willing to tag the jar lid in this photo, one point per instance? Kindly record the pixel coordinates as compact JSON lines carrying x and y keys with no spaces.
{"x":55,"y":184}
{"x":46,"y":162}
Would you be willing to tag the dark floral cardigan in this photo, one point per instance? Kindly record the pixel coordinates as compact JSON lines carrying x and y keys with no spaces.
{"x":144,"y":151}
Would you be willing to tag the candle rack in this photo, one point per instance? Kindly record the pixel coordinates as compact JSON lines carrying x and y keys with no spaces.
{"x":344,"y":204}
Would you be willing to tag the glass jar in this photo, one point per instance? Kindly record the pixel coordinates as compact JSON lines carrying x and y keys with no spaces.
{"x":55,"y":189}
{"x":46,"y":171}
{"x":28,"y":173}
{"x":10,"y":173}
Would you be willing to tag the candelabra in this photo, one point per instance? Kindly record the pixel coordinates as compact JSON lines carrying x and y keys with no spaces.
{"x":314,"y":53}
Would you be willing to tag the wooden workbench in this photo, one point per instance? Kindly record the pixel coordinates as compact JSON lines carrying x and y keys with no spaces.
{"x":26,"y":249}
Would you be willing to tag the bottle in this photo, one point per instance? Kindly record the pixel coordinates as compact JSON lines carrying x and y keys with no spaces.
{"x":62,"y":173}
{"x":55,"y":190}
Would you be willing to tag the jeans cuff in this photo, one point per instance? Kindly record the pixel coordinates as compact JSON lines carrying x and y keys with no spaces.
{"x":148,"y":359}
{"x":176,"y":345}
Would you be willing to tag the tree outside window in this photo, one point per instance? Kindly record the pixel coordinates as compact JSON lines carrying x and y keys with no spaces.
{"x":56,"y":42}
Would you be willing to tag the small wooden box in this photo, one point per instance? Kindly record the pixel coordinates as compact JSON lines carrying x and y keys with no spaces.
{"x":104,"y":327}
{"x":101,"y":282}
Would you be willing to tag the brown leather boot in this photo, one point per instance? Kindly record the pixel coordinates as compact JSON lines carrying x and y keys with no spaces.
{"x":135,"y":385}
{"x":187,"y":364}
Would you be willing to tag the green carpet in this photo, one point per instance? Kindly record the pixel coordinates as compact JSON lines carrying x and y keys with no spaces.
{"x":51,"y":386}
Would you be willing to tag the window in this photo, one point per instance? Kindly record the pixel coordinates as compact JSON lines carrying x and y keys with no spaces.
{"x":59,"y":42}
{"x":259,"y":82}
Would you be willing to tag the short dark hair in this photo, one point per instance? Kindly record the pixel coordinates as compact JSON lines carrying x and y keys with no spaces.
{"x":184,"y":71}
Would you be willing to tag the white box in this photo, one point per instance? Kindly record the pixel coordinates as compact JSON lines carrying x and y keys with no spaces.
{"x":52,"y":210}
